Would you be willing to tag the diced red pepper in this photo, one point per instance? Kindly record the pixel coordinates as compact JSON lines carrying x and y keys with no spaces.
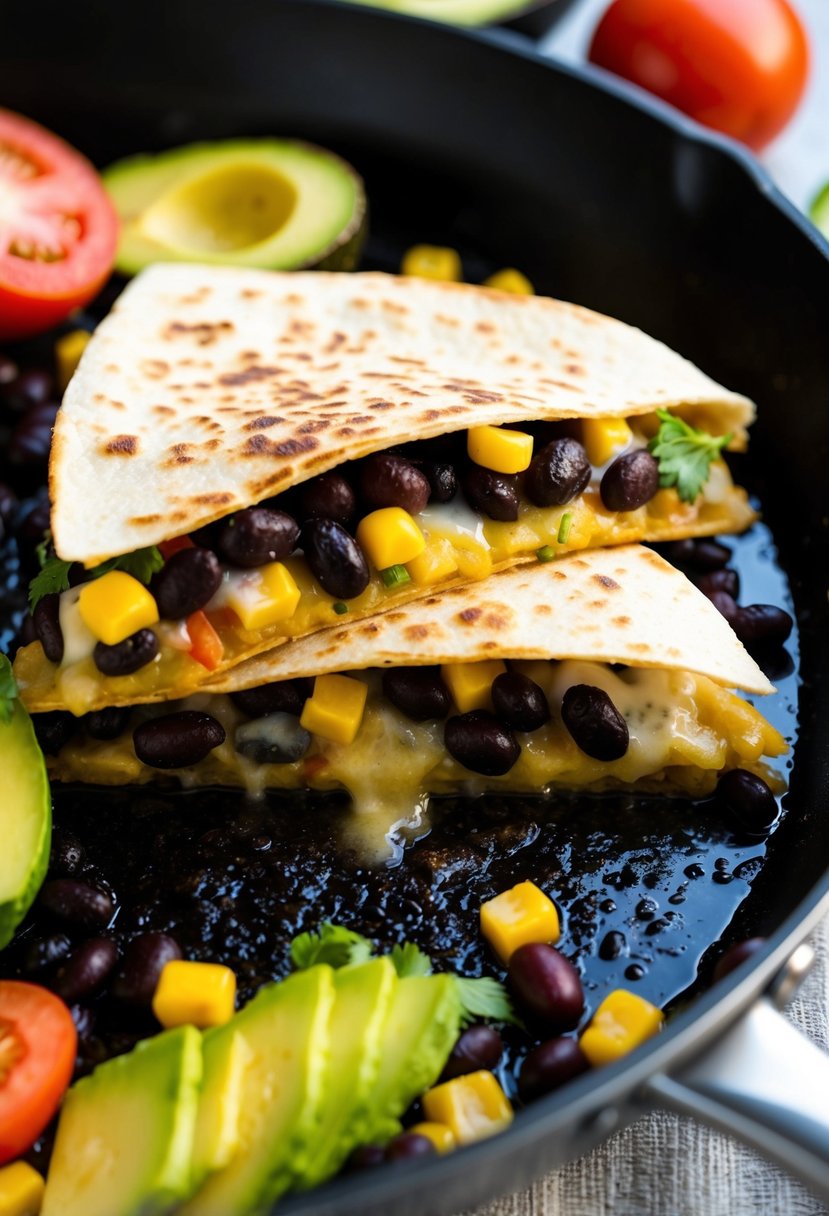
{"x":207,"y":647}
{"x":169,"y":547}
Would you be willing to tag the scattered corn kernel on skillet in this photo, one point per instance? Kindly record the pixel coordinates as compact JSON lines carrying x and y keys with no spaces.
{"x":627,"y":209}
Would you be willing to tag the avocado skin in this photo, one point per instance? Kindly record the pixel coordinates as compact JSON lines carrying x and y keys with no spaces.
{"x":26,"y":795}
{"x":139,"y":183}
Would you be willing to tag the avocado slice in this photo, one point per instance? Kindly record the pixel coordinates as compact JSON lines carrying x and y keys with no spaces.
{"x":422,"y":1027}
{"x":273,"y":203}
{"x":125,"y":1137}
{"x":456,"y":12}
{"x":286,"y":1027}
{"x":226,"y":1057}
{"x":364,"y":994}
{"x":25,"y":817}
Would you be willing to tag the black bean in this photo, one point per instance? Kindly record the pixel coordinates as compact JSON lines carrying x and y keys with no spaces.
{"x":409,"y":1146}
{"x":186,"y":582}
{"x":54,"y":730}
{"x":762,"y":624}
{"x":283,"y":696}
{"x":27,"y":634}
{"x":366,"y":1157}
{"x":177,"y":740}
{"x":275,"y":739}
{"x":77,"y":903}
{"x":144,"y":959}
{"x":66,"y":853}
{"x":86,"y":970}
{"x":493,"y":494}
{"x":31,"y":439}
{"x":547,"y":985}
{"x":329,"y":496}
{"x":479,"y":742}
{"x":46,"y":617}
{"x":725,"y":605}
{"x":418,"y":692}
{"x":519,"y":701}
{"x":549,"y":1066}
{"x":393,"y":481}
{"x":558,"y":473}
{"x":747,"y":797}
{"x":443,"y":480}
{"x":478,"y":1047}
{"x":84,"y":1019}
{"x":107,"y":723}
{"x":128,"y":656}
{"x":612,"y":946}
{"x":726,"y":580}
{"x":36,"y":521}
{"x":737,"y":955}
{"x":630,"y":482}
{"x":257,"y":535}
{"x":32,"y":387}
{"x":42,"y":954}
{"x":336,"y":560}
{"x":702,"y":554}
{"x":594,"y":722}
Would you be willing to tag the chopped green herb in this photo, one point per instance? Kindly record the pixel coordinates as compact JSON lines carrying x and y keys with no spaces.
{"x":42,"y":549}
{"x":546,"y":553}
{"x":685,"y":454}
{"x":334,"y":944}
{"x":395,"y":576}
{"x":564,"y":527}
{"x":54,"y":576}
{"x":340,"y":608}
{"x":485,"y":998}
{"x":409,"y":959}
{"x":8,"y":689}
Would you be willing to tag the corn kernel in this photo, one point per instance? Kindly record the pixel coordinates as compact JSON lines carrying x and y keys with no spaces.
{"x":335,"y":708}
{"x":264,"y":596}
{"x":115,"y":606}
{"x":472,"y":1107}
{"x":68,"y":351}
{"x":436,"y":563}
{"x":516,"y":917}
{"x":500,"y":449}
{"x":432,"y":262}
{"x":21,"y":1190}
{"x":471,"y":683}
{"x":194,"y":994}
{"x":622,"y":1022}
{"x":512,"y":281}
{"x":440,"y":1135}
{"x":604,"y":437}
{"x":390,"y":537}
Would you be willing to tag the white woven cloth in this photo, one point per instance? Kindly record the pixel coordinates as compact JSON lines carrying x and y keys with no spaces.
{"x":670,"y":1166}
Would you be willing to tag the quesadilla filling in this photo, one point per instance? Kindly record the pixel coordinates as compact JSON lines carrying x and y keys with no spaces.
{"x":345,"y":544}
{"x":392,"y":738}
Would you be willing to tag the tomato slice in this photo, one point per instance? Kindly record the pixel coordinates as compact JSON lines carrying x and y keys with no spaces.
{"x":207,"y":647}
{"x":58,"y":229}
{"x":38,"y":1043}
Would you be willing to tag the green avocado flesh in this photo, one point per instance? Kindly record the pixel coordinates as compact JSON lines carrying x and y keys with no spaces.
{"x":25,"y":819}
{"x":274,"y":204}
{"x":455,"y":12}
{"x":125,"y":1138}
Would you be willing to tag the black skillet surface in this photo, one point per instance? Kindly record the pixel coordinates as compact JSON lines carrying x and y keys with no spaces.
{"x":515,"y":163}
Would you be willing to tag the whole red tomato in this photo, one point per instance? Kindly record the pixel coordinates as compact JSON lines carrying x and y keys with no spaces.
{"x":739,"y":66}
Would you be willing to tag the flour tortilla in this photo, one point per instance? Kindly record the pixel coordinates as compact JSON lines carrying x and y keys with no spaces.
{"x":208,"y":389}
{"x":623,"y":605}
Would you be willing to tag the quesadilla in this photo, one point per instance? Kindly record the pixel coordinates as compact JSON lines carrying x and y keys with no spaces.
{"x":607,"y":668}
{"x":333,"y":445}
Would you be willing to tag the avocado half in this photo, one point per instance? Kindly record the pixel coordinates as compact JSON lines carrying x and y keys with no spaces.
{"x":272,"y":203}
{"x":456,"y":12}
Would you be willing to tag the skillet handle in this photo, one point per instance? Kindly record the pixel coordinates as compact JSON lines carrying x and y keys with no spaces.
{"x":764,"y":1082}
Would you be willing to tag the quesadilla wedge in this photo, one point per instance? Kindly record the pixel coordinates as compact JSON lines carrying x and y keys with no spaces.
{"x":607,"y":668}
{"x":334,"y":445}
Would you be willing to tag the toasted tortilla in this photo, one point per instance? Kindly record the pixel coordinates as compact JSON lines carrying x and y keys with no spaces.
{"x":208,"y":389}
{"x":624,"y":605}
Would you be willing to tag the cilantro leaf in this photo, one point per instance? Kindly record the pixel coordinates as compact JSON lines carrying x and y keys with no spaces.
{"x":8,"y":689}
{"x":409,"y":959}
{"x":485,"y":998}
{"x":142,"y":564}
{"x":54,"y":575}
{"x":53,"y":578}
{"x":42,"y":549}
{"x":685,"y":454}
{"x":333,"y":944}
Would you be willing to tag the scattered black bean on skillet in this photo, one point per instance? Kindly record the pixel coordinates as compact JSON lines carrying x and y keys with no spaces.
{"x":409,"y":1146}
{"x":748,"y":799}
{"x":549,"y":1066}
{"x":630,"y":482}
{"x":21,"y":389}
{"x":493,"y":494}
{"x":282,"y":696}
{"x":725,"y":579}
{"x":177,"y":740}
{"x":392,"y":481}
{"x":144,"y":959}
{"x":329,"y":496}
{"x":547,"y":986}
{"x":519,"y":701}
{"x":477,"y":1047}
{"x":186,"y":582}
{"x":86,"y":970}
{"x":702,"y":555}
{"x":107,"y":723}
{"x":335,"y":559}
{"x":257,"y":535}
{"x":418,"y":692}
{"x":128,"y":656}
{"x":77,"y":903}
{"x":594,"y":722}
{"x":479,"y":742}
{"x":558,"y":473}
{"x":31,"y":439}
{"x":46,"y":618}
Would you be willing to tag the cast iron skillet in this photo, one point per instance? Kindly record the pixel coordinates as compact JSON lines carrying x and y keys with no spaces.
{"x":617,"y":202}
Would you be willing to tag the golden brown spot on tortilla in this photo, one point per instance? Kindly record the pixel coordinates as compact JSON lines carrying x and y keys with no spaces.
{"x":485,"y":327}
{"x":449,"y":322}
{"x":263,"y":422}
{"x":164,"y":411}
{"x":360,"y":418}
{"x":604,"y":581}
{"x":381,"y":405}
{"x":561,"y":574}
{"x":403,"y":359}
{"x":621,"y":621}
{"x":260,"y":444}
{"x":250,"y":355}
{"x":117,"y":405}
{"x":641,"y":647}
{"x":494,"y":620}
{"x":345,"y":431}
{"x":112,"y":369}
{"x":144,"y":521}
{"x":205,"y":332}
{"x":416,"y":633}
{"x":155,"y":369}
{"x":574,"y":369}
{"x":336,"y":340}
{"x":430,"y":415}
{"x":121,"y":445}
{"x":543,"y":609}
{"x":470,"y":615}
{"x":212,"y":500}
{"x":361,"y":304}
{"x":479,"y":397}
{"x":249,"y":375}
{"x":308,"y":428}
{"x":393,"y":306}
{"x":490,"y":645}
{"x":249,"y":293}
